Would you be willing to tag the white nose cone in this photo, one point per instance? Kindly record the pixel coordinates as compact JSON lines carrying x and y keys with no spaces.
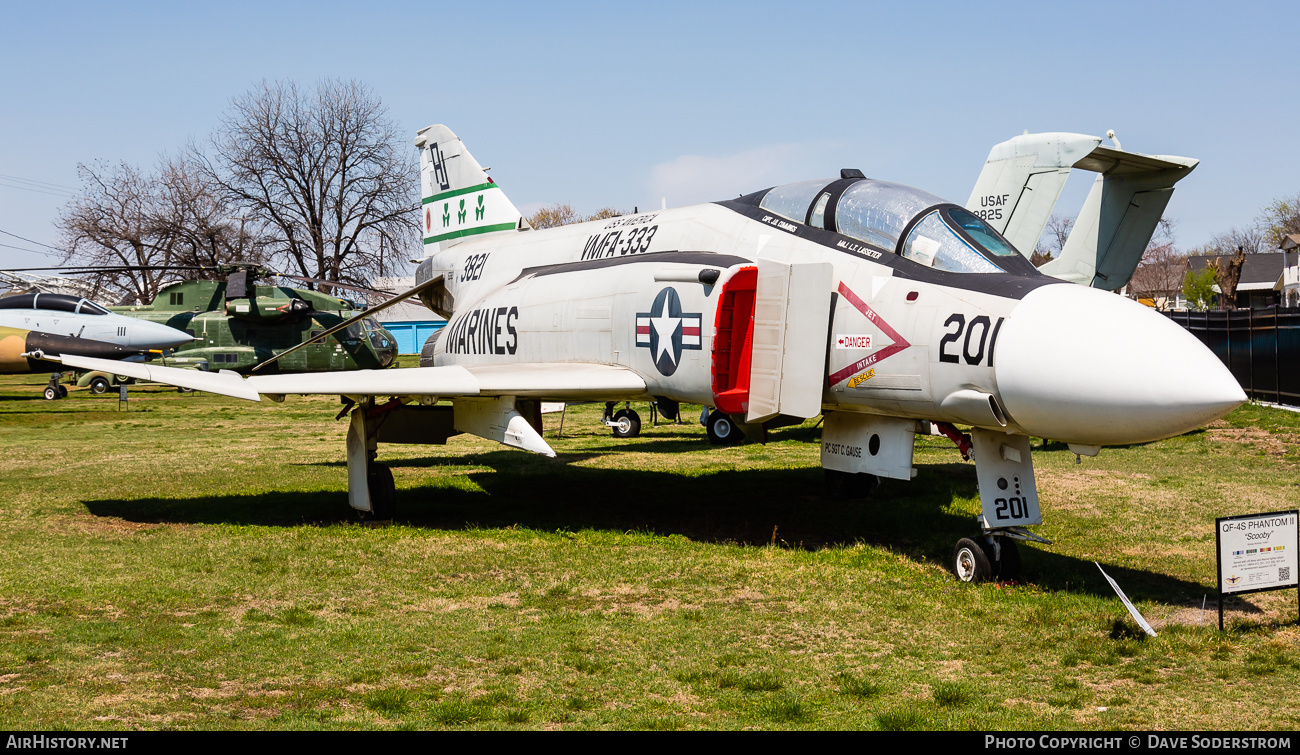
{"x":142,"y":334}
{"x":1084,"y":366}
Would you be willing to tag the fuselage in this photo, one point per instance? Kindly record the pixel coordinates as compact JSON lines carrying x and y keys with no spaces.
{"x":55,"y":324}
{"x":999,"y":346}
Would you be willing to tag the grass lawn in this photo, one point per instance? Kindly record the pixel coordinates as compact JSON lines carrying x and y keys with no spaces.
{"x":192,"y":564}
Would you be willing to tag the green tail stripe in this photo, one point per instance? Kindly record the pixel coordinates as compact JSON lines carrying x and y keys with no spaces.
{"x":470,"y":232}
{"x":458,"y":192}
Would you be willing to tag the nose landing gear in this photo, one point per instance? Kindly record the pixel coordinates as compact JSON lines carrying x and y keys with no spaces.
{"x":988,"y":558}
{"x":55,"y":390}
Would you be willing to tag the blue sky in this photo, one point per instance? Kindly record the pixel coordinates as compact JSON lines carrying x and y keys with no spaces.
{"x":622,"y":104}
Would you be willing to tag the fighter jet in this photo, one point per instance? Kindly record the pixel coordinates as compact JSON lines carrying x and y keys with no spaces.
{"x":37,"y":326}
{"x":884,"y":308}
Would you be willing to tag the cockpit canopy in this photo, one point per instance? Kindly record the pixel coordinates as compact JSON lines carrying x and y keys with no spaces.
{"x":909,"y":222}
{"x":55,"y":302}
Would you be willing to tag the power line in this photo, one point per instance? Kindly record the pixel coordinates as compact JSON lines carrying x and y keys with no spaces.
{"x":30,"y":241}
{"x":65,"y":195}
{"x":40,"y":183}
{"x":33,"y":251}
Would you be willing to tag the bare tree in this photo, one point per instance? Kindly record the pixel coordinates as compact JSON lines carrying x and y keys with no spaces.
{"x":114,"y":222}
{"x":1278,"y":219}
{"x":1163,"y":268}
{"x":1052,"y":240}
{"x":1249,"y":240}
{"x":202,"y":222}
{"x":553,"y":216}
{"x":325,"y":174}
{"x":1228,"y":273}
{"x":562,"y":213}
{"x":1160,"y":274}
{"x":163,"y":222}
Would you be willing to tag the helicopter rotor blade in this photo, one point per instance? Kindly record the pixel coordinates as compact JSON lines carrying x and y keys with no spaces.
{"x":80,"y":269}
{"x":354,"y":319}
{"x":334,"y":284}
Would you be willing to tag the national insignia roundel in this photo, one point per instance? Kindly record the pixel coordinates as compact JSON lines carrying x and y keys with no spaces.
{"x":666,"y":331}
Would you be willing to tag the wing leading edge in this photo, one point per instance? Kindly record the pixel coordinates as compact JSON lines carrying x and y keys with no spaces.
{"x":558,"y":381}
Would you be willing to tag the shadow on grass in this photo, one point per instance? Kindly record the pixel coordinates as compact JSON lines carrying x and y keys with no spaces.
{"x":741,"y":507}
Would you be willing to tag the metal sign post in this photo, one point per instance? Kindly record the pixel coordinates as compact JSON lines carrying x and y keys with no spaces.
{"x":1257,"y":552}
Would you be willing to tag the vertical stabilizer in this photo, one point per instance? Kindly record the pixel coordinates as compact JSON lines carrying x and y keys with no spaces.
{"x":1022,"y":180}
{"x":1118,"y":218}
{"x":459,"y":199}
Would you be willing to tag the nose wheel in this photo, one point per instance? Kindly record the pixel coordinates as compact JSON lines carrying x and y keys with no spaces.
{"x":55,"y":390}
{"x":986,"y":559}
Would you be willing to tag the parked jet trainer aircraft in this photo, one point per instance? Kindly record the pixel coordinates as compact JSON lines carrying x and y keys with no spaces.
{"x":34,"y":327}
{"x":876,"y":304}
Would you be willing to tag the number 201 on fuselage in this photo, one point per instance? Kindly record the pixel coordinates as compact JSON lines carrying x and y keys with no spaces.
{"x":970,"y":341}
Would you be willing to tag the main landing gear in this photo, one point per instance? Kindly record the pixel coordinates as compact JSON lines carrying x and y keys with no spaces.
{"x":383,"y":493}
{"x":625,"y":422}
{"x":722,"y":429}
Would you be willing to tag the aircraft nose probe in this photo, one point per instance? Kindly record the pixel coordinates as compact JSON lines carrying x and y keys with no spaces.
{"x":1084,"y":366}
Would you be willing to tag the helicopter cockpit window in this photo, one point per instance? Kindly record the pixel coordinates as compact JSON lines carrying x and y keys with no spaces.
{"x":372,"y":324}
{"x":354,"y":332}
{"x":877,"y":211}
{"x":57,"y":302}
{"x":791,"y":200}
{"x":91,"y":308}
{"x":934,"y":243}
{"x":19,"y":301}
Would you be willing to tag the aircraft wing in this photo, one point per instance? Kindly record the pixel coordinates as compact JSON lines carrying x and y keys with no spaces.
{"x":570,"y":380}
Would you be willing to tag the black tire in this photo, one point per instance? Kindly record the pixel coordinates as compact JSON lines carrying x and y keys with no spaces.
{"x":1008,"y":568}
{"x":51,"y":393}
{"x":383,"y":494}
{"x":722,"y":431}
{"x":63,"y":391}
{"x":627,"y":424}
{"x":99,"y":385}
{"x":970,"y":562}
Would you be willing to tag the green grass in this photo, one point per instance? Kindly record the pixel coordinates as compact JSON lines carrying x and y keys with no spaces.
{"x":193,"y":564}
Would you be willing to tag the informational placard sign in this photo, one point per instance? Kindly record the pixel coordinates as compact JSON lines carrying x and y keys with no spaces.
{"x":1257,"y":552}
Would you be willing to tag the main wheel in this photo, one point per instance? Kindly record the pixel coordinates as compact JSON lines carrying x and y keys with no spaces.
{"x":63,"y":391}
{"x":722,"y":431}
{"x":668,"y":408}
{"x":383,"y":494}
{"x":627,"y":424}
{"x":51,"y":393}
{"x":99,"y":385}
{"x":970,"y":563}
